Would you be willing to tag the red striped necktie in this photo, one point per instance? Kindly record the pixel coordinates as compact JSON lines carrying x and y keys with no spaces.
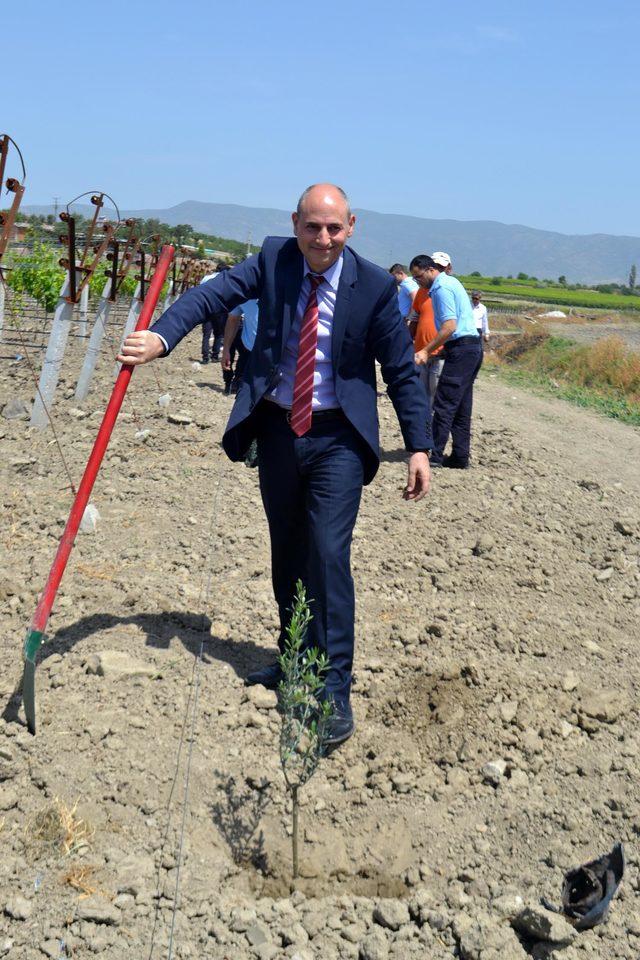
{"x":306,"y":363}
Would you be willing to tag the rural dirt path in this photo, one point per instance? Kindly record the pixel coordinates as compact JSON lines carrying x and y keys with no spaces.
{"x":497,"y":693}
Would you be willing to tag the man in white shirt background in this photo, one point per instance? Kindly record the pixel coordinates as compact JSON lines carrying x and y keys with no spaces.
{"x":480,"y":315}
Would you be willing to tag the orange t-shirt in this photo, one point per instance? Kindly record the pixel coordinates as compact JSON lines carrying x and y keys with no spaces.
{"x":426,"y":329}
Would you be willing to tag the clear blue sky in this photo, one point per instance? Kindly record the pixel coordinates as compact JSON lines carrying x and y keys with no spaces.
{"x":524,"y":113}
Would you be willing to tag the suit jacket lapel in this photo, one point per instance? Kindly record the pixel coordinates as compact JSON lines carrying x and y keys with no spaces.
{"x":343,"y":304}
{"x":293,"y":283}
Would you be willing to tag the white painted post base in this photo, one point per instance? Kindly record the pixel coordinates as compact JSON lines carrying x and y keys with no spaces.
{"x":132,"y":319}
{"x":95,"y":342}
{"x":50,"y":373}
{"x":84,"y":310}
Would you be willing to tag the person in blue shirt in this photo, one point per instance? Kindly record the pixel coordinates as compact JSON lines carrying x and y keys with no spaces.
{"x":239,"y":337}
{"x":407,"y":288}
{"x":456,"y":330}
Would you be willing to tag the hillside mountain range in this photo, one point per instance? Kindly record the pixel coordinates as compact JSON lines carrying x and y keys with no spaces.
{"x":495,"y":249}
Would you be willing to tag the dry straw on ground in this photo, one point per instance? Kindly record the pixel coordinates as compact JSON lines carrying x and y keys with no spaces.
{"x":57,"y":827}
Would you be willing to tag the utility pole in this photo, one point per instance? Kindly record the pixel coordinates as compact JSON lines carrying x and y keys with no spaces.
{"x":55,"y":207}
{"x":249,"y":244}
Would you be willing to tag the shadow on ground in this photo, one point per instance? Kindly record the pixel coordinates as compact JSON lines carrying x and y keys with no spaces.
{"x":160,"y":629}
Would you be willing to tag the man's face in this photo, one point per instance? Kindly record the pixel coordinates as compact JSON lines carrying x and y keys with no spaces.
{"x":424,"y":276}
{"x":322,"y":228}
{"x":399,"y":276}
{"x":475,"y":301}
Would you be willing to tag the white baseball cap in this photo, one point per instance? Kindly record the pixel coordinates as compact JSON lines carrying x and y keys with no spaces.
{"x":442,"y":259}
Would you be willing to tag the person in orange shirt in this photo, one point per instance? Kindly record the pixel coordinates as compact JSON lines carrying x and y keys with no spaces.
{"x":430,"y":366}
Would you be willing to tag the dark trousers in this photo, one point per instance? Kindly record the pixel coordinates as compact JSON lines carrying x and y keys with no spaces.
{"x":311,"y":488}
{"x":233,"y":376}
{"x":213,"y":326}
{"x":453,"y":403}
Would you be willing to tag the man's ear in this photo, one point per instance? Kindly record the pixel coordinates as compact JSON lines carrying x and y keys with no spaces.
{"x":294,"y":220}
{"x":352,"y":223}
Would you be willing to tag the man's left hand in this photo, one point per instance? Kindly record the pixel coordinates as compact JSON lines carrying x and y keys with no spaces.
{"x":419,"y":477}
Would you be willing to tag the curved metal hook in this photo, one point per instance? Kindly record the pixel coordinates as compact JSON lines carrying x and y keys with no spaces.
{"x":93,"y":193}
{"x":24,"y":169}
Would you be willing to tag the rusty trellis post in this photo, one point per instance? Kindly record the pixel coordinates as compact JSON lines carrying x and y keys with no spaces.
{"x":8,"y":219}
{"x":119,"y":270}
{"x":79,"y":273}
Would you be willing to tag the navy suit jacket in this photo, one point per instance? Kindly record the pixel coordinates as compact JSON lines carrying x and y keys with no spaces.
{"x":367,"y":326}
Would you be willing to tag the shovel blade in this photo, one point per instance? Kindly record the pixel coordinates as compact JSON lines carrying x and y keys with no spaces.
{"x":29,"y":694}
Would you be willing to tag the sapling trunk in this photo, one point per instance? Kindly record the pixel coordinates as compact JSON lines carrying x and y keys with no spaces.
{"x":294,"y":833}
{"x":304,"y":710}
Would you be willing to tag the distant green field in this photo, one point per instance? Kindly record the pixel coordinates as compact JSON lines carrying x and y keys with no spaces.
{"x":541,"y":293}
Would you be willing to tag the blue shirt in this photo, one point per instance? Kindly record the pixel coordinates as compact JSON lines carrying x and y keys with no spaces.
{"x":451,"y":302}
{"x":324,"y":396}
{"x":249,"y":313}
{"x":406,"y":292}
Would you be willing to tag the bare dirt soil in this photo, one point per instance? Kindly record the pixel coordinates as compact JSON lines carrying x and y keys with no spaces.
{"x":497,"y":693}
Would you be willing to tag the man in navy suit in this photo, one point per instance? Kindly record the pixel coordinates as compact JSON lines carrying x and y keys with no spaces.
{"x":309,"y":398}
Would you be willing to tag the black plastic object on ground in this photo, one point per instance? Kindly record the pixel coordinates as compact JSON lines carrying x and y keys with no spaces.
{"x":587,"y":891}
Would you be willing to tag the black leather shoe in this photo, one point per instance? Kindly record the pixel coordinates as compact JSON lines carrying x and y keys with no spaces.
{"x":340,"y":727}
{"x":454,"y":464}
{"x":269,"y":677}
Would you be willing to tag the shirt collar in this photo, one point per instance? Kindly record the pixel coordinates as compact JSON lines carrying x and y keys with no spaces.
{"x":438,"y":280}
{"x":331,"y":274}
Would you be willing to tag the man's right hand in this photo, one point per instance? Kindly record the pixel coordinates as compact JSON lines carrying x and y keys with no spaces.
{"x":226,"y":358}
{"x":141,"y":346}
{"x":421,"y":357}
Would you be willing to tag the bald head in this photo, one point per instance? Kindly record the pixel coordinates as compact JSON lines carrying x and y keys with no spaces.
{"x":322,"y":224}
{"x":325,"y":193}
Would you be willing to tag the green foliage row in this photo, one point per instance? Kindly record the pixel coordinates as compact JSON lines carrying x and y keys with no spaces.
{"x":556,"y":294}
{"x":38,"y":274}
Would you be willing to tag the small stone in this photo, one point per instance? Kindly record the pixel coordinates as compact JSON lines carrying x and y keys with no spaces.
{"x":484,"y":545}
{"x":115,"y":664}
{"x":570,"y":681}
{"x":77,"y":413}
{"x":519,"y":489}
{"x":604,"y":705}
{"x":182,"y":419}
{"x":606,"y":574}
{"x":262,"y":699}
{"x":518,"y":780}
{"x":5,"y":947}
{"x":374,"y":947}
{"x":392,"y":914}
{"x":509,"y":710}
{"x":164,"y":400}
{"x":494,"y":771}
{"x":591,"y":646}
{"x":625,"y":527}
{"x":19,"y":908}
{"x":97,"y":910}
{"x":16,"y":410}
{"x":90,"y":518}
{"x":566,"y":729}
{"x":196,"y":365}
{"x":256,"y":935}
{"x":52,"y":948}
{"x":142,"y":435}
{"x":507,"y":906}
{"x":541,"y":924}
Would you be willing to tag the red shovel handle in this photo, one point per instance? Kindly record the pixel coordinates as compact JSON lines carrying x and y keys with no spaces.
{"x":45,"y":603}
